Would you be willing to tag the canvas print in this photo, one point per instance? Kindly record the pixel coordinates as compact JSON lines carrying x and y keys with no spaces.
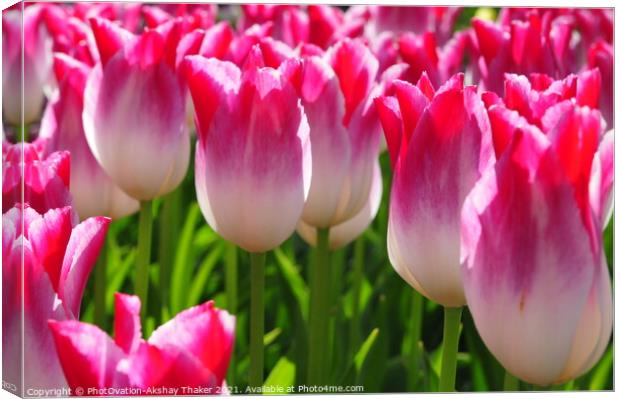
{"x":229,"y":199}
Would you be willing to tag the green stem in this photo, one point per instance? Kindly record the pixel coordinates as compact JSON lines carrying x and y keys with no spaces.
{"x":169,"y":231}
{"x":143,"y":257}
{"x":417,"y":301}
{"x":257,"y":319}
{"x":231,"y":300}
{"x":355,"y":333}
{"x":100,"y":287}
{"x":511,"y":383}
{"x":451,"y":332}
{"x":319,"y":311}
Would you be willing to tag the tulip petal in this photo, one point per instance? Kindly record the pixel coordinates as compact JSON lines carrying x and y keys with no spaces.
{"x":127,"y":327}
{"x":110,"y":38}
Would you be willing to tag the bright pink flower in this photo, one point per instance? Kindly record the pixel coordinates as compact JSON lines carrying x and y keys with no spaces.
{"x":45,"y":178}
{"x":70,"y":35}
{"x":253,"y":160}
{"x":534,"y":96}
{"x":538,"y":44}
{"x":601,"y":56}
{"x":134,"y":110}
{"x":94,"y":193}
{"x":346,"y":232}
{"x":329,"y":24}
{"x":531,"y":250}
{"x":440,"y":144}
{"x":57,"y":259}
{"x":196,"y":16}
{"x":416,"y":20}
{"x":37,"y":65}
{"x":191,"y":350}
{"x":290,"y":23}
{"x":344,"y":129}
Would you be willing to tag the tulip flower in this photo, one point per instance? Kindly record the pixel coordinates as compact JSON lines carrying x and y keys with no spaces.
{"x":290,"y":22}
{"x":328,"y":25}
{"x":94,"y":193}
{"x":134,"y":112}
{"x":600,"y":55}
{"x":253,"y":163}
{"x":57,"y":258}
{"x":439,"y":144}
{"x":523,"y":48}
{"x":344,"y":233}
{"x":45,"y":179}
{"x":533,"y":267}
{"x":192,"y":351}
{"x":134,"y":120}
{"x":37,"y":64}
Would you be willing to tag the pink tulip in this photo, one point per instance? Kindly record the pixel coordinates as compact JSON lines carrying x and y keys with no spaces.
{"x":290,"y":22}
{"x":536,"y":45}
{"x":134,"y":111}
{"x":344,"y":130}
{"x":439,"y":144}
{"x":197,"y":16}
{"x":94,"y":193}
{"x":329,"y":24}
{"x":533,"y":268}
{"x":191,"y":350}
{"x":601,"y":56}
{"x":57,"y":259}
{"x":253,"y":160}
{"x":37,"y":63}
{"x":346,"y":232}
{"x":45,"y":178}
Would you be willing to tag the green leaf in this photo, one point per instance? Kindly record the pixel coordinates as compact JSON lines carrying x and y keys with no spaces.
{"x":271,"y":336}
{"x":602,"y":371}
{"x":355,"y":367}
{"x":204,"y":271}
{"x":182,"y":271}
{"x":282,"y":376}
{"x":293,"y":278}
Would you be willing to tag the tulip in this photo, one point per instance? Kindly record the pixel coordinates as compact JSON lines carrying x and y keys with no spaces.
{"x":344,"y":233}
{"x":290,"y":22}
{"x":45,"y":180}
{"x":328,"y":24}
{"x":191,"y":350}
{"x":253,"y":163}
{"x":602,"y":181}
{"x":37,"y":63}
{"x":600,"y":55}
{"x":57,"y":258}
{"x":94,"y":193}
{"x":439,"y":144}
{"x":134,"y":121}
{"x":533,"y":268}
{"x":134,"y":112}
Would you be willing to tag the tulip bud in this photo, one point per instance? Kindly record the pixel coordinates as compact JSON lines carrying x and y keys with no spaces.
{"x":344,"y":233}
{"x":439,"y":143}
{"x":253,"y":160}
{"x":134,"y":112}
{"x":191,"y":350}
{"x":37,"y":64}
{"x":533,"y":267}
{"x":57,"y":259}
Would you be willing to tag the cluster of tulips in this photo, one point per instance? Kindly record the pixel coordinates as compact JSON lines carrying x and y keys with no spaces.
{"x":500,"y":139}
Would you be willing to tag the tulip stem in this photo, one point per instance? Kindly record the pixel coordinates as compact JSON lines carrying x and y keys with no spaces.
{"x":417,"y":301}
{"x":169,"y":231}
{"x":319,"y":311}
{"x":143,"y":258}
{"x":355,"y":333}
{"x":451,"y":332}
{"x":100,"y":287}
{"x":231,"y":301}
{"x":511,"y":383}
{"x":257,"y":318}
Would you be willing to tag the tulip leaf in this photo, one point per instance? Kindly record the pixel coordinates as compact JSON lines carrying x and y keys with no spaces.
{"x":181,"y":273}
{"x":601,"y":373}
{"x":294,"y":280}
{"x":201,"y":278}
{"x":271,"y":336}
{"x":356,"y":364}
{"x":282,"y":377}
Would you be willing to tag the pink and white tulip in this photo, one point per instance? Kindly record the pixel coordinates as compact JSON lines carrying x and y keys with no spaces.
{"x":191,"y":350}
{"x":440,"y":144}
{"x":534,"y":271}
{"x":57,"y":258}
{"x":344,"y":130}
{"x":134,"y":111}
{"x":346,"y":232}
{"x":37,"y":64}
{"x":253,"y":160}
